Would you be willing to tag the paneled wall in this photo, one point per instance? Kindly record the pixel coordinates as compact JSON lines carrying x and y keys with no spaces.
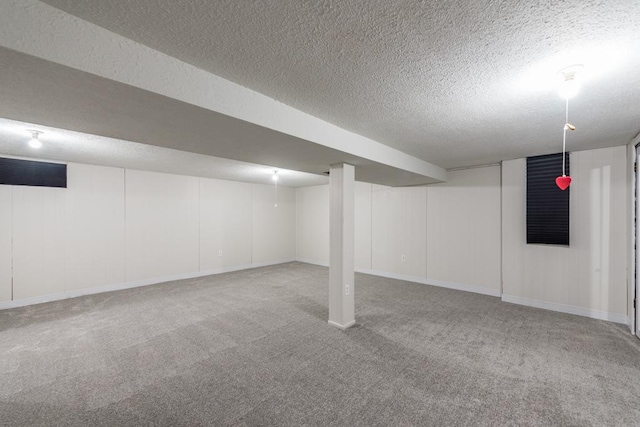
{"x":225,"y":219}
{"x":94,"y":227}
{"x":162,"y":225}
{"x":273,"y":227}
{"x":463,"y":228}
{"x":6,"y":255}
{"x":399,"y":230}
{"x":114,"y":228}
{"x":589,"y":277}
{"x":312,"y":224}
{"x":38,"y":241}
{"x":469,"y":233}
{"x":363,"y":222}
{"x":448,"y":233}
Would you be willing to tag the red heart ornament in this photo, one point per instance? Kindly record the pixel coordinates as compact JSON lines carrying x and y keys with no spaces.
{"x":563,"y":182}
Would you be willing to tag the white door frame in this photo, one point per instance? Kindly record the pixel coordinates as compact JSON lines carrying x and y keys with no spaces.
{"x":635,"y":322}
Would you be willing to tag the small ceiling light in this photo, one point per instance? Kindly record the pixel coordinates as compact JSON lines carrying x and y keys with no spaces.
{"x":569,"y":83}
{"x":34,"y":142}
{"x":275,"y":181}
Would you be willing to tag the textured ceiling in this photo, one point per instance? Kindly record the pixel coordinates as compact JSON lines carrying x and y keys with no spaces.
{"x":454,"y":83}
{"x":45,"y":93}
{"x":68,"y":146}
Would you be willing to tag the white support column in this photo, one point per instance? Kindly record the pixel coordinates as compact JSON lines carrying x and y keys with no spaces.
{"x":341,"y":246}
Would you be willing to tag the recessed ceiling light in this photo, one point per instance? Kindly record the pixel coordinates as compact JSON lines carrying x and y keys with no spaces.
{"x":35,"y":142}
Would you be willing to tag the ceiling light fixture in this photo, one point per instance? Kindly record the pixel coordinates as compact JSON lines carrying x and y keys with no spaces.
{"x":569,"y":84}
{"x":34,"y":142}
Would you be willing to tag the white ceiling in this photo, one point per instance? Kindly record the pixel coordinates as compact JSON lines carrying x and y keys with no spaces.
{"x":68,"y":146}
{"x":453,"y":83}
{"x":45,"y":93}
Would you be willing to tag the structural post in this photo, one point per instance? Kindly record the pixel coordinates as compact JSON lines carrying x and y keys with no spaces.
{"x":341,"y":246}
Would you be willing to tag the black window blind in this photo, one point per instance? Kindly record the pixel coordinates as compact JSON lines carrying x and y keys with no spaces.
{"x":37,"y":174}
{"x":547,"y":205}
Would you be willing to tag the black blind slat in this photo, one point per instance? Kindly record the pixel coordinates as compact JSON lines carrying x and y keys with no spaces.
{"x":37,"y":174}
{"x":547,"y":205}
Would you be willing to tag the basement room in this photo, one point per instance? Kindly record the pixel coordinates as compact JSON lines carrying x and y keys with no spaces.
{"x":319,"y":213}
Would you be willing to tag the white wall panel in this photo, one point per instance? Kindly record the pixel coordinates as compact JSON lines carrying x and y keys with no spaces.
{"x":363,"y":226}
{"x":312,"y":224}
{"x":162,"y":225}
{"x":94,"y":227}
{"x":463,"y":228}
{"x":225,"y":224}
{"x":591,"y":273}
{"x":38,"y":241}
{"x":273,"y":228}
{"x":6,"y":256}
{"x":399,"y":222}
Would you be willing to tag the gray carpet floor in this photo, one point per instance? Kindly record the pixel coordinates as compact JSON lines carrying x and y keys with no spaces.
{"x":254,"y":348}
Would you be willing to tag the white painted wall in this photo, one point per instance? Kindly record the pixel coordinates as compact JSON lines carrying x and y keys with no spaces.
{"x":94,"y":231}
{"x":114,"y":228}
{"x":225,"y":224}
{"x":162,"y":225}
{"x":312,"y":224}
{"x":469,"y":233}
{"x":399,"y":227}
{"x":362,"y":232}
{"x":38,"y":241}
{"x":631,"y":234}
{"x":273,"y":228}
{"x":463,"y":228}
{"x":6,"y":256}
{"x":590,"y":276}
{"x":449,"y":233}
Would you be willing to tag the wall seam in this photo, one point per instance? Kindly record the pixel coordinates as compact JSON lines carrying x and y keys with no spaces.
{"x":124,"y":229}
{"x":12,"y":242}
{"x":199,"y":224}
{"x":253,"y":187}
{"x":501,"y":235}
{"x":371,"y":227}
{"x":426,"y":232}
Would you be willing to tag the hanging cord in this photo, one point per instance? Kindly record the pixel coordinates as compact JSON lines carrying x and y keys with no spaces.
{"x":276,"y":195}
{"x":564,"y":136}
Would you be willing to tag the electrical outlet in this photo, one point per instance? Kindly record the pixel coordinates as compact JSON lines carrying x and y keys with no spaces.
{"x":346,"y":289}
{"x":403,"y":258}
{"x":219,"y":253}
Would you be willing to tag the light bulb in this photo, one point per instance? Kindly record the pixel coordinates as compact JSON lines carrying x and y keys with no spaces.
{"x":275,"y":176}
{"x":34,"y":142}
{"x":569,"y":88}
{"x":569,"y":84}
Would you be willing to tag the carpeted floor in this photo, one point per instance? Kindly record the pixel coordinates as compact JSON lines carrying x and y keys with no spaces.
{"x":254,"y":348}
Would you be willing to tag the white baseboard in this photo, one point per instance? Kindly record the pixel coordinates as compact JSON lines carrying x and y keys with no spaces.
{"x":424,"y":281}
{"x":569,"y":309}
{"x":313,"y":262}
{"x":433,"y":282}
{"x":343,"y":327}
{"x":131,"y":284}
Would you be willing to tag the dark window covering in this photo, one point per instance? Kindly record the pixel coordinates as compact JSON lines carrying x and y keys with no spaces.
{"x":37,"y":174}
{"x":547,"y":205}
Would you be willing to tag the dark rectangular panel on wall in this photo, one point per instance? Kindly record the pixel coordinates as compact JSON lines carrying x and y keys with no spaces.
{"x":547,"y":205}
{"x":37,"y":174}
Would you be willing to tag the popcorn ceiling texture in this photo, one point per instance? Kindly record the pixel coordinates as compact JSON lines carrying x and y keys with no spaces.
{"x":437,"y":80}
